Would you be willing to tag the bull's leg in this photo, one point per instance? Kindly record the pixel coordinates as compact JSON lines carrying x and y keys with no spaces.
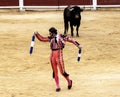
{"x":72,"y":30}
{"x":77,"y":29}
{"x":71,"y":26}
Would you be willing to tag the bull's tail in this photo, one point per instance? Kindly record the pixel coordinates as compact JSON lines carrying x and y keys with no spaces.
{"x":66,"y":26}
{"x":66,"y":19}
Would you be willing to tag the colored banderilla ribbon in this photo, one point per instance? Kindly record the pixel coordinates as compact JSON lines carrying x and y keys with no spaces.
{"x":32,"y":44}
{"x":79,"y":55}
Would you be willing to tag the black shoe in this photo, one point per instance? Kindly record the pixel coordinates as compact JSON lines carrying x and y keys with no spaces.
{"x":70,"y":86}
{"x":58,"y":89}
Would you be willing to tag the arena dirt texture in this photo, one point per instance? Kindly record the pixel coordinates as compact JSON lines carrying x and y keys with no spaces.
{"x":25,"y":75}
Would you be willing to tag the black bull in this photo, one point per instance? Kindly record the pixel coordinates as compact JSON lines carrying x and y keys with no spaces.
{"x":72,"y":15}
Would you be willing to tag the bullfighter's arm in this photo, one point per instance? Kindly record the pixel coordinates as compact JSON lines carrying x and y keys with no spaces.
{"x":68,"y":39}
{"x":41,"y":38}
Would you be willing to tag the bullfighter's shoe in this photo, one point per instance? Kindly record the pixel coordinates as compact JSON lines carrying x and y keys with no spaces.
{"x":58,"y":90}
{"x":70,"y":86}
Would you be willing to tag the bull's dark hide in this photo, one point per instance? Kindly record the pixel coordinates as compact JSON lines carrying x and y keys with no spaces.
{"x":72,"y":17}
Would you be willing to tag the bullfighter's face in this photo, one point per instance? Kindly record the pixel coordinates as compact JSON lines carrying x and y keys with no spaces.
{"x":52,"y":35}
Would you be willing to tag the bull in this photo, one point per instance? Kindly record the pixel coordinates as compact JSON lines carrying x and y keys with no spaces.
{"x":72,"y":17}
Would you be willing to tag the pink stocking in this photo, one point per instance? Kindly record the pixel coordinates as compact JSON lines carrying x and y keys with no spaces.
{"x":68,"y":80}
{"x":57,"y":81}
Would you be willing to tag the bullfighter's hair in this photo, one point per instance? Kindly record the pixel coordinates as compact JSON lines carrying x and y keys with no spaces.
{"x":53,"y":30}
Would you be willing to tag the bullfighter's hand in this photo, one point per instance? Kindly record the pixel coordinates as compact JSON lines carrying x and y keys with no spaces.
{"x":79,"y":46}
{"x":35,"y":33}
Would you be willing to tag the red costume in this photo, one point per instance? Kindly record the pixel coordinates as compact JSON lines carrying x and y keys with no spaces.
{"x":57,"y":44}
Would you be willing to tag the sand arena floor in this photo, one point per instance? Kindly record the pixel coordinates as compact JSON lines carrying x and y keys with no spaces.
{"x":25,"y":75}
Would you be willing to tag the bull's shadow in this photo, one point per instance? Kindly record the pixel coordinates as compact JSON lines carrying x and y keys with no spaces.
{"x":72,"y":17}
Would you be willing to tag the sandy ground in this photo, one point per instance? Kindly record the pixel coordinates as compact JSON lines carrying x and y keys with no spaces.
{"x":25,"y":75}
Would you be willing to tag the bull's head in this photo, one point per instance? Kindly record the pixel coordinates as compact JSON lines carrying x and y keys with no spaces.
{"x":75,"y":10}
{"x":77,"y":16}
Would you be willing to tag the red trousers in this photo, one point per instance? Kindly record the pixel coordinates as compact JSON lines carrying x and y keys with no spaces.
{"x":58,"y":63}
{"x":56,"y":59}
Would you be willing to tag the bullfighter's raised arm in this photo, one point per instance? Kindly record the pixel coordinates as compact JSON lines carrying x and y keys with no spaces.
{"x":41,"y":38}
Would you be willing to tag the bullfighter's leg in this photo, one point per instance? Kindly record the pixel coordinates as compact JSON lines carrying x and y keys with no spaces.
{"x":55,"y":72}
{"x":62,"y":70}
